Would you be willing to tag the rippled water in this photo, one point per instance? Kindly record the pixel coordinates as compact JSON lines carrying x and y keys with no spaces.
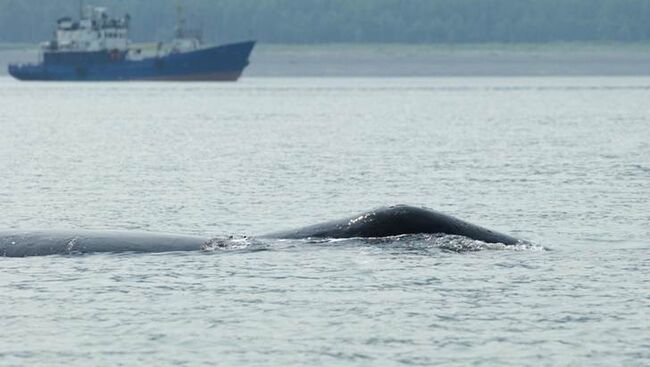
{"x":561,"y":162}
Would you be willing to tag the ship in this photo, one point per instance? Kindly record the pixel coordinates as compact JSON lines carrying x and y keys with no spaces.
{"x":96,"y":47}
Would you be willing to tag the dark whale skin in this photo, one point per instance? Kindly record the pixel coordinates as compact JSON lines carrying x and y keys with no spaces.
{"x":382,"y":222}
{"x":18,"y":243}
{"x":394,"y":221}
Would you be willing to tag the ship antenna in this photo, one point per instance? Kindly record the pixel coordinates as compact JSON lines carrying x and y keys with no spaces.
{"x":180,"y":19}
{"x":81,"y":9}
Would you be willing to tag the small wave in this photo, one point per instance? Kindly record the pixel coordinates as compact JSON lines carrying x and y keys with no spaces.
{"x":418,"y":242}
{"x":409,"y":243}
{"x":641,"y":168}
{"x":235,"y":243}
{"x":464,"y":244}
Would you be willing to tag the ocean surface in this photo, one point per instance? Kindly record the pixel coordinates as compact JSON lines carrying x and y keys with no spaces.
{"x":561,"y":162}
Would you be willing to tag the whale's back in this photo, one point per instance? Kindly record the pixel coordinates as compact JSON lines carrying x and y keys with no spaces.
{"x":42,"y":243}
{"x":395,"y":221}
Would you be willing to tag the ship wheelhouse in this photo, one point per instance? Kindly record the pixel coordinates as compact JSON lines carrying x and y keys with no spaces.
{"x":95,"y":38}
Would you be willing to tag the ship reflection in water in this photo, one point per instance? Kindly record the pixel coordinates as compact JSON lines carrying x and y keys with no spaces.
{"x":96,"y":48}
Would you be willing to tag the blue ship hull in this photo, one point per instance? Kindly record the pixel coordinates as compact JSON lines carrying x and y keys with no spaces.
{"x":221,"y":63}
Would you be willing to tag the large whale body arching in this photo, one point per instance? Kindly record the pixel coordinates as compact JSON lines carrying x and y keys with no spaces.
{"x":395,"y":221}
{"x":383,"y":222}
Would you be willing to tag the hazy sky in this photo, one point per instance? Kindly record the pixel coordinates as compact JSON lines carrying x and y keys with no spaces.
{"x":317,"y":21}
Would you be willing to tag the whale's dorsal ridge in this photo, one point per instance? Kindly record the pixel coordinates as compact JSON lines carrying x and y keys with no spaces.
{"x":387,"y":221}
{"x":395,"y":220}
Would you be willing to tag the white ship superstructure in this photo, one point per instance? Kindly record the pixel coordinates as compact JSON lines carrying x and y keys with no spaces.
{"x":95,"y":31}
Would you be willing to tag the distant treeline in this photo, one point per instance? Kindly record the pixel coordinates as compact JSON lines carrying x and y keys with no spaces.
{"x":321,"y":21}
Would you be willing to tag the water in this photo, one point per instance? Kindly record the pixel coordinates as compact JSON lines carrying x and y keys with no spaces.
{"x":562,"y":162}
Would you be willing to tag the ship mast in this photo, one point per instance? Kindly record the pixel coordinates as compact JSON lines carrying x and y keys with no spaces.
{"x":180,"y":20}
{"x":185,"y":39}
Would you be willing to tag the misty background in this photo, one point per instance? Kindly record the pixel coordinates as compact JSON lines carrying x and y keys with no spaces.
{"x":345,"y":21}
{"x":318,"y":38}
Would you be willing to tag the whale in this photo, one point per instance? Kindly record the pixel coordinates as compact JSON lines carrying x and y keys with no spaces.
{"x":381,"y":222}
{"x":395,"y":221}
{"x":20,"y":243}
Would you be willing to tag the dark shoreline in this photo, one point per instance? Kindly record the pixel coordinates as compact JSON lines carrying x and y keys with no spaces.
{"x":347,"y":60}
